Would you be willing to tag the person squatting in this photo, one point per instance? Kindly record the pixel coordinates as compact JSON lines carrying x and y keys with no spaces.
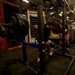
{"x":50,"y":32}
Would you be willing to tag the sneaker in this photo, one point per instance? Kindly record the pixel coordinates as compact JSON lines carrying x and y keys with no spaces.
{"x":68,"y":49}
{"x":51,"y":53}
{"x":38,"y":60}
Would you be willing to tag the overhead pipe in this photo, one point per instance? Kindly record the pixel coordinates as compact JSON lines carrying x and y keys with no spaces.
{"x":56,"y":6}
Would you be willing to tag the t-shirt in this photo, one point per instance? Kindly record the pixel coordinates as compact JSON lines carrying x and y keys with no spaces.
{"x":47,"y":32}
{"x":53,"y":35}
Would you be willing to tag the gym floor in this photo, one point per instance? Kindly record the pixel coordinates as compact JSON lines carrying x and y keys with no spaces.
{"x":55,"y":65}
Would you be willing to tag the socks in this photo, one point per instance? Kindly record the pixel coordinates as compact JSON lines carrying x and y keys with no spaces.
{"x":68,"y":49}
{"x":38,"y":59}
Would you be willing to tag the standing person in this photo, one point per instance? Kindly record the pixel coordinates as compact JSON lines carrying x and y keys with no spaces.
{"x":36,"y":33}
{"x":37,"y":40}
{"x":66,"y":37}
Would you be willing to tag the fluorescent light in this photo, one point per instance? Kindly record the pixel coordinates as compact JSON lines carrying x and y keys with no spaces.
{"x":60,"y":14}
{"x":67,"y":17}
{"x":26,"y":1}
{"x":67,"y":12}
{"x":51,"y":8}
{"x":51,"y":13}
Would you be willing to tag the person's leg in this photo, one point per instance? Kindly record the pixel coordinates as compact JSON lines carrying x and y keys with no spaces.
{"x":38,"y":57}
{"x":48,"y":49}
{"x":51,"y":51}
{"x":67,"y":42}
{"x":51,"y":44}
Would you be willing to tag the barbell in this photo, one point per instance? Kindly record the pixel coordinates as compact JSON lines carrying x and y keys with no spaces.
{"x":18,"y":24}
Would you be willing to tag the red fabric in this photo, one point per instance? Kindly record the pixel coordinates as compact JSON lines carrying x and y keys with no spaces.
{"x":3,"y":41}
{"x":1,"y":13}
{"x":3,"y":45}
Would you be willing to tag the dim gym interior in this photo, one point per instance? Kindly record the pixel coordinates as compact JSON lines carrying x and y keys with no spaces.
{"x":37,"y":37}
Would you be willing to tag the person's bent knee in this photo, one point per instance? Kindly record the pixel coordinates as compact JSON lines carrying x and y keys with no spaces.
{"x":52,"y":44}
{"x":48,"y":42}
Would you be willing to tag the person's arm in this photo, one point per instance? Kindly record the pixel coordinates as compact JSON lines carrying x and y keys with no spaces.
{"x":66,"y":29}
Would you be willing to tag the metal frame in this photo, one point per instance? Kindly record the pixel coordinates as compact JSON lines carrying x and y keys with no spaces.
{"x":41,"y":36}
{"x":63,"y":25}
{"x":25,"y":62}
{"x":41,"y":42}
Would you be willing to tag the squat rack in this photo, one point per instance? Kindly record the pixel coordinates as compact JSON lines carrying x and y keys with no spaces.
{"x":41,"y":33}
{"x":41,"y":40}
